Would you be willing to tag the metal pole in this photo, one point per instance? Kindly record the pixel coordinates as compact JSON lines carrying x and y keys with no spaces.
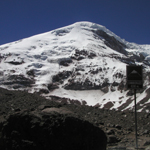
{"x":135,"y":119}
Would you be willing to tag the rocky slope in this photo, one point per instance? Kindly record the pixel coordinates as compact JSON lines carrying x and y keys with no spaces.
{"x":83,"y":61}
{"x":32,"y":122}
{"x":28,"y":121}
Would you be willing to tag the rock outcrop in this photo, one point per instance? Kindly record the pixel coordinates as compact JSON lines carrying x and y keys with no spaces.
{"x":34,"y":123}
{"x":50,"y":129}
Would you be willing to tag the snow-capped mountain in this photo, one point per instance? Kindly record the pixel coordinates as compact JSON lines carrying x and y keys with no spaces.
{"x":83,"y":61}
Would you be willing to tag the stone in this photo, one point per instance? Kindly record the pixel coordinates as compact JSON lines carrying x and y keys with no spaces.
{"x":112,"y":139}
{"x":110,"y":132}
{"x":50,"y":128}
{"x":147,"y":143}
{"x":118,"y":127}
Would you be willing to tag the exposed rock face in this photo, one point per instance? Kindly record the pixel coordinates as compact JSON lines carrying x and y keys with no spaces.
{"x":61,"y":76}
{"x":18,"y":81}
{"x":111,"y":42}
{"x":50,"y":129}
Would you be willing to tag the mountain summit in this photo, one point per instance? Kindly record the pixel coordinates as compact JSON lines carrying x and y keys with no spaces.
{"x":83,"y":61}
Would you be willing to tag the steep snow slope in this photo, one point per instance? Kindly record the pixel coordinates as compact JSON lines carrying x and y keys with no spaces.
{"x":83,"y":61}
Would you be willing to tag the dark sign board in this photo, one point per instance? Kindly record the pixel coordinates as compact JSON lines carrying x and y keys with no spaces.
{"x":134,"y":77}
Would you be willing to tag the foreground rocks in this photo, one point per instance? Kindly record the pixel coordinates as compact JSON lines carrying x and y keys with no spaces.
{"x":50,"y":130}
{"x":47,"y":125}
{"x":28,"y":121}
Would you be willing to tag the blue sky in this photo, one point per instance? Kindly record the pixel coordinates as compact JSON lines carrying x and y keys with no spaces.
{"x":129,"y":19}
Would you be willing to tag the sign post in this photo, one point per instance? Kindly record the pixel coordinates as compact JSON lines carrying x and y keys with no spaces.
{"x":135,"y":81}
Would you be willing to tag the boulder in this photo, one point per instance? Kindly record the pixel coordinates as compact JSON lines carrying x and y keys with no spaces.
{"x":52,"y":129}
{"x":112,"y":139}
